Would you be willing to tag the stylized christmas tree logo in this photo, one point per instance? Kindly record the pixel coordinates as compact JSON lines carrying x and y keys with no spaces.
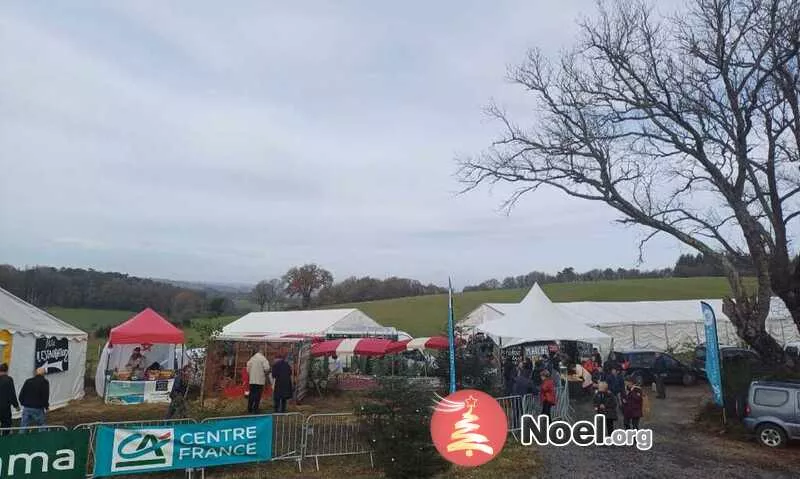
{"x":465,"y":436}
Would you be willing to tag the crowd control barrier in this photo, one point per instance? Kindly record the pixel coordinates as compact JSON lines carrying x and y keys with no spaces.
{"x":30,"y":430}
{"x":333,"y":435}
{"x":297,"y":437}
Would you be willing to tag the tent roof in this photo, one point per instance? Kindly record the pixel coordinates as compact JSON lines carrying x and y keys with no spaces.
{"x":19,"y":316}
{"x":318,"y":321}
{"x":675,"y":311}
{"x":536,"y":318}
{"x":147,"y":327}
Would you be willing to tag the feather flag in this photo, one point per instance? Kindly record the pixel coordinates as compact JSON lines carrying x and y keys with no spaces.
{"x":451,"y":336}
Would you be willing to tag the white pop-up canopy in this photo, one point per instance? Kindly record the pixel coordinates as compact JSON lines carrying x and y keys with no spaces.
{"x":536,"y":318}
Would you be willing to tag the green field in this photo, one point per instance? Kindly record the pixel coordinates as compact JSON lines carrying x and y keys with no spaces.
{"x":427,"y":315}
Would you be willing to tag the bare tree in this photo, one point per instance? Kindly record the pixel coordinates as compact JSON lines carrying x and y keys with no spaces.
{"x":304,"y":280}
{"x":687,"y":125}
{"x":268,"y":294}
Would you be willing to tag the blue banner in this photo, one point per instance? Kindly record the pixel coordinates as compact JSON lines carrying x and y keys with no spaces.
{"x":713,"y":362}
{"x":144,"y":449}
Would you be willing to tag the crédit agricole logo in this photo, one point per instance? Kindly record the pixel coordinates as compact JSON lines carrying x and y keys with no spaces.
{"x":143,"y":449}
{"x":468,"y":428}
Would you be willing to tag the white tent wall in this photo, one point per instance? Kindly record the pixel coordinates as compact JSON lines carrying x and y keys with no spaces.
{"x":118,"y":356}
{"x":64,"y":386}
{"x":481,"y":314}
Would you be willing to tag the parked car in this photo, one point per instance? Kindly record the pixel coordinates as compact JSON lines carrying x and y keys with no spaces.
{"x":773,"y":412}
{"x":727,"y":353}
{"x":793,"y":350}
{"x":641,"y":366}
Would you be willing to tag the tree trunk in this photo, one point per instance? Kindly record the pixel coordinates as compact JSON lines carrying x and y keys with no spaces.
{"x":750,"y":326}
{"x":306,"y":300}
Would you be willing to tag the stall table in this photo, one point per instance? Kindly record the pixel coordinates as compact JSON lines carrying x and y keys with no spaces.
{"x":138,"y":392}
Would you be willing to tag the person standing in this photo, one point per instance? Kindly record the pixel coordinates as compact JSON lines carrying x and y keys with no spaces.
{"x":548,"y":393}
{"x":177,"y":404}
{"x":659,"y":373}
{"x":598,"y":360}
{"x":257,"y":370}
{"x":616,"y":384}
{"x":632,"y":408}
{"x":8,"y":396}
{"x":35,"y":400}
{"x":606,"y":404}
{"x":281,"y":383}
{"x":508,"y":375}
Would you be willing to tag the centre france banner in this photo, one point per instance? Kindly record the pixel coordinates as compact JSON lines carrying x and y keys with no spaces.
{"x":182,"y":446}
{"x":713,"y":363}
{"x":42,"y":455}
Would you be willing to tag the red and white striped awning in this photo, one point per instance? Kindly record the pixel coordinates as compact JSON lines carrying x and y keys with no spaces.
{"x":433,"y":342}
{"x":357,"y":346}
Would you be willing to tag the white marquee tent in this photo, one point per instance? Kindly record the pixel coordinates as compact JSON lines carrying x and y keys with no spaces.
{"x":314,"y":322}
{"x":536,"y":318}
{"x":646,"y":324}
{"x":21,"y":324}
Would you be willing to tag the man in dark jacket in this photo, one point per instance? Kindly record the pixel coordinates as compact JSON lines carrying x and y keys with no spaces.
{"x":8,"y":396}
{"x":281,"y":383}
{"x":509,"y":371}
{"x":35,"y":400}
{"x":616,"y":384}
{"x":659,"y":373}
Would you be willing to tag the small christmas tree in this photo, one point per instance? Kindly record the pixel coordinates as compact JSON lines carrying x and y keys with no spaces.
{"x":396,"y":424}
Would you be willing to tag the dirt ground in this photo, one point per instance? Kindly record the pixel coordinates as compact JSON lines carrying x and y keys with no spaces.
{"x":680,"y":449}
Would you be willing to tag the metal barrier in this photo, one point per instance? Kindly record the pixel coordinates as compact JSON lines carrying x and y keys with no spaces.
{"x":333,"y":435}
{"x":563,"y":410}
{"x":5,"y":431}
{"x":92,"y":427}
{"x":513,"y":408}
{"x":287,"y":434}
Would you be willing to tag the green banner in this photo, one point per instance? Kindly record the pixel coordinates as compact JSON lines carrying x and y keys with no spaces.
{"x":42,"y":455}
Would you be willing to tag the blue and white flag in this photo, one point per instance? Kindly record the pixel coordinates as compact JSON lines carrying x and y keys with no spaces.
{"x":713,"y":362}
{"x":451,"y":336}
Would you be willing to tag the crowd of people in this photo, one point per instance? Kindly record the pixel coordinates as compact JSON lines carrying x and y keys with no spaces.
{"x":612,"y":393}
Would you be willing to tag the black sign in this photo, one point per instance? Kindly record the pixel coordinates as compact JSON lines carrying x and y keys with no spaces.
{"x":52,"y":354}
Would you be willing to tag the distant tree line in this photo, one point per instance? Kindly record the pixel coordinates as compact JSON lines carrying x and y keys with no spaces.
{"x":687,"y":266}
{"x":86,"y":288}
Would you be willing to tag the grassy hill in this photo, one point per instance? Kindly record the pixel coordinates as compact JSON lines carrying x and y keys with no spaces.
{"x":427,"y":315}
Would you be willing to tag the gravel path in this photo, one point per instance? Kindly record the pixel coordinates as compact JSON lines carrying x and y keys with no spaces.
{"x":677,"y":452}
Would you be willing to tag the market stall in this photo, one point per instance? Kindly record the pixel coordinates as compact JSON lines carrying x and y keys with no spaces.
{"x":225,"y":374}
{"x":139,"y":361}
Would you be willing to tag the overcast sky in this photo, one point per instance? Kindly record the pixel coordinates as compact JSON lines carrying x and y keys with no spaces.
{"x":228,"y":142}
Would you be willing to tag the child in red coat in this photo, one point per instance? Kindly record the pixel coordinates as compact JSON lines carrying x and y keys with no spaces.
{"x":548,"y":392}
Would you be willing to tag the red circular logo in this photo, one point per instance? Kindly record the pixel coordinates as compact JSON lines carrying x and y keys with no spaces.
{"x":469,"y":428}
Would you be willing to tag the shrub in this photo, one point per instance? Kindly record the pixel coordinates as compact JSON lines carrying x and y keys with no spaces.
{"x":395,"y":422}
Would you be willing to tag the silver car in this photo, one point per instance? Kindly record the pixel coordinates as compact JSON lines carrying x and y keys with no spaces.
{"x":773,"y":412}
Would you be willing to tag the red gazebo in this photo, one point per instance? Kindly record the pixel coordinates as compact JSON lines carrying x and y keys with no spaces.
{"x":147,"y":327}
